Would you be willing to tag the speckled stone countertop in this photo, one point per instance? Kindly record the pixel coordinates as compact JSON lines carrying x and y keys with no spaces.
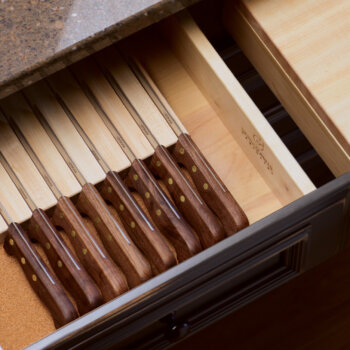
{"x":38,"y":36}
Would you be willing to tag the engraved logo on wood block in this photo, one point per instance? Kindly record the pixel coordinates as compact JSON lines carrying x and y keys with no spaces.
{"x":258,"y":145}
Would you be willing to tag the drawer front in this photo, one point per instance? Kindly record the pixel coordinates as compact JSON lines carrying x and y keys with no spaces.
{"x":221,"y":279}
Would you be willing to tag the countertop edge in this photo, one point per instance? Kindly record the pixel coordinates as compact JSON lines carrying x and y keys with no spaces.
{"x":93,"y":43}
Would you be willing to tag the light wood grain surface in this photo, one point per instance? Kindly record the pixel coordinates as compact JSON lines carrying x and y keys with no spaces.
{"x":12,"y":200}
{"x":39,"y":95}
{"x":206,"y":128}
{"x":138,"y":96}
{"x":27,"y":173}
{"x":310,"y":40}
{"x":114,"y":108}
{"x":16,"y":107}
{"x":89,"y":120}
{"x":3,"y":227}
{"x":236,"y":110}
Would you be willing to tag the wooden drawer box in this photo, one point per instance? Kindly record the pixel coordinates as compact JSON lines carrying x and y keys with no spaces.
{"x":293,"y":226}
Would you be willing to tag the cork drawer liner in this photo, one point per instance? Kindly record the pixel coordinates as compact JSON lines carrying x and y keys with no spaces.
{"x":223,"y":121}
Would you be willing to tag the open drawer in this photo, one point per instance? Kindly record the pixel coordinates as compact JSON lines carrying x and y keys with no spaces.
{"x":293,"y":225}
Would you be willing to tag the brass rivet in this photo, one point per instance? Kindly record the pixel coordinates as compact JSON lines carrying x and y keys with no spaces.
{"x":132,"y":224}
{"x":97,"y":220}
{"x":34,"y":278}
{"x":73,"y":233}
{"x":135,"y":177}
{"x":205,"y":186}
{"x":47,"y":245}
{"x":158,"y":212}
{"x":121,"y":207}
{"x":23,"y":261}
{"x":36,"y":227}
{"x":12,"y":242}
{"x":170,"y":181}
{"x":158,"y":163}
{"x":147,"y":195}
{"x":182,"y":199}
{"x":182,"y":150}
{"x":194,"y":168}
{"x":84,"y":251}
{"x":59,"y":263}
{"x":109,"y":237}
{"x":109,"y":189}
{"x":61,"y":215}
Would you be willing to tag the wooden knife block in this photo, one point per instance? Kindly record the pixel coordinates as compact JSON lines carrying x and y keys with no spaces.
{"x":23,"y":319}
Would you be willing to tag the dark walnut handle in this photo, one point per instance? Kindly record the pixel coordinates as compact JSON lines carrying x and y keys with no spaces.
{"x":191,"y":205}
{"x":108,"y":277}
{"x":170,"y":222}
{"x":142,"y":231}
{"x":67,"y":268}
{"x":46,"y":286}
{"x":209,"y":185}
{"x":117,"y":242}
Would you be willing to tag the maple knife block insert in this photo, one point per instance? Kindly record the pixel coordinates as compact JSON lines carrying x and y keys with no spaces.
{"x":215,"y":110}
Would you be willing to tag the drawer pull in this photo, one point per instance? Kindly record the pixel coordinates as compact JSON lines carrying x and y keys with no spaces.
{"x":72,"y":275}
{"x":175,"y":330}
{"x":186,"y":152}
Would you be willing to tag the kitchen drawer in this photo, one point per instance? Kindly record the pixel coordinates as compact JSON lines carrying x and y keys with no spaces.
{"x":293,"y":226}
{"x":304,"y":63}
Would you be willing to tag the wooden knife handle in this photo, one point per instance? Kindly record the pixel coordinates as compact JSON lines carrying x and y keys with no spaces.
{"x":142,"y":231}
{"x":163,"y":212}
{"x":209,"y":185}
{"x":108,"y":277}
{"x":117,"y":242}
{"x":191,"y":205}
{"x":45,"y":284}
{"x":72,"y":275}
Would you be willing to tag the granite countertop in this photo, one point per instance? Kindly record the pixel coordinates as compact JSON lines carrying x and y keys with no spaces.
{"x":39,"y":36}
